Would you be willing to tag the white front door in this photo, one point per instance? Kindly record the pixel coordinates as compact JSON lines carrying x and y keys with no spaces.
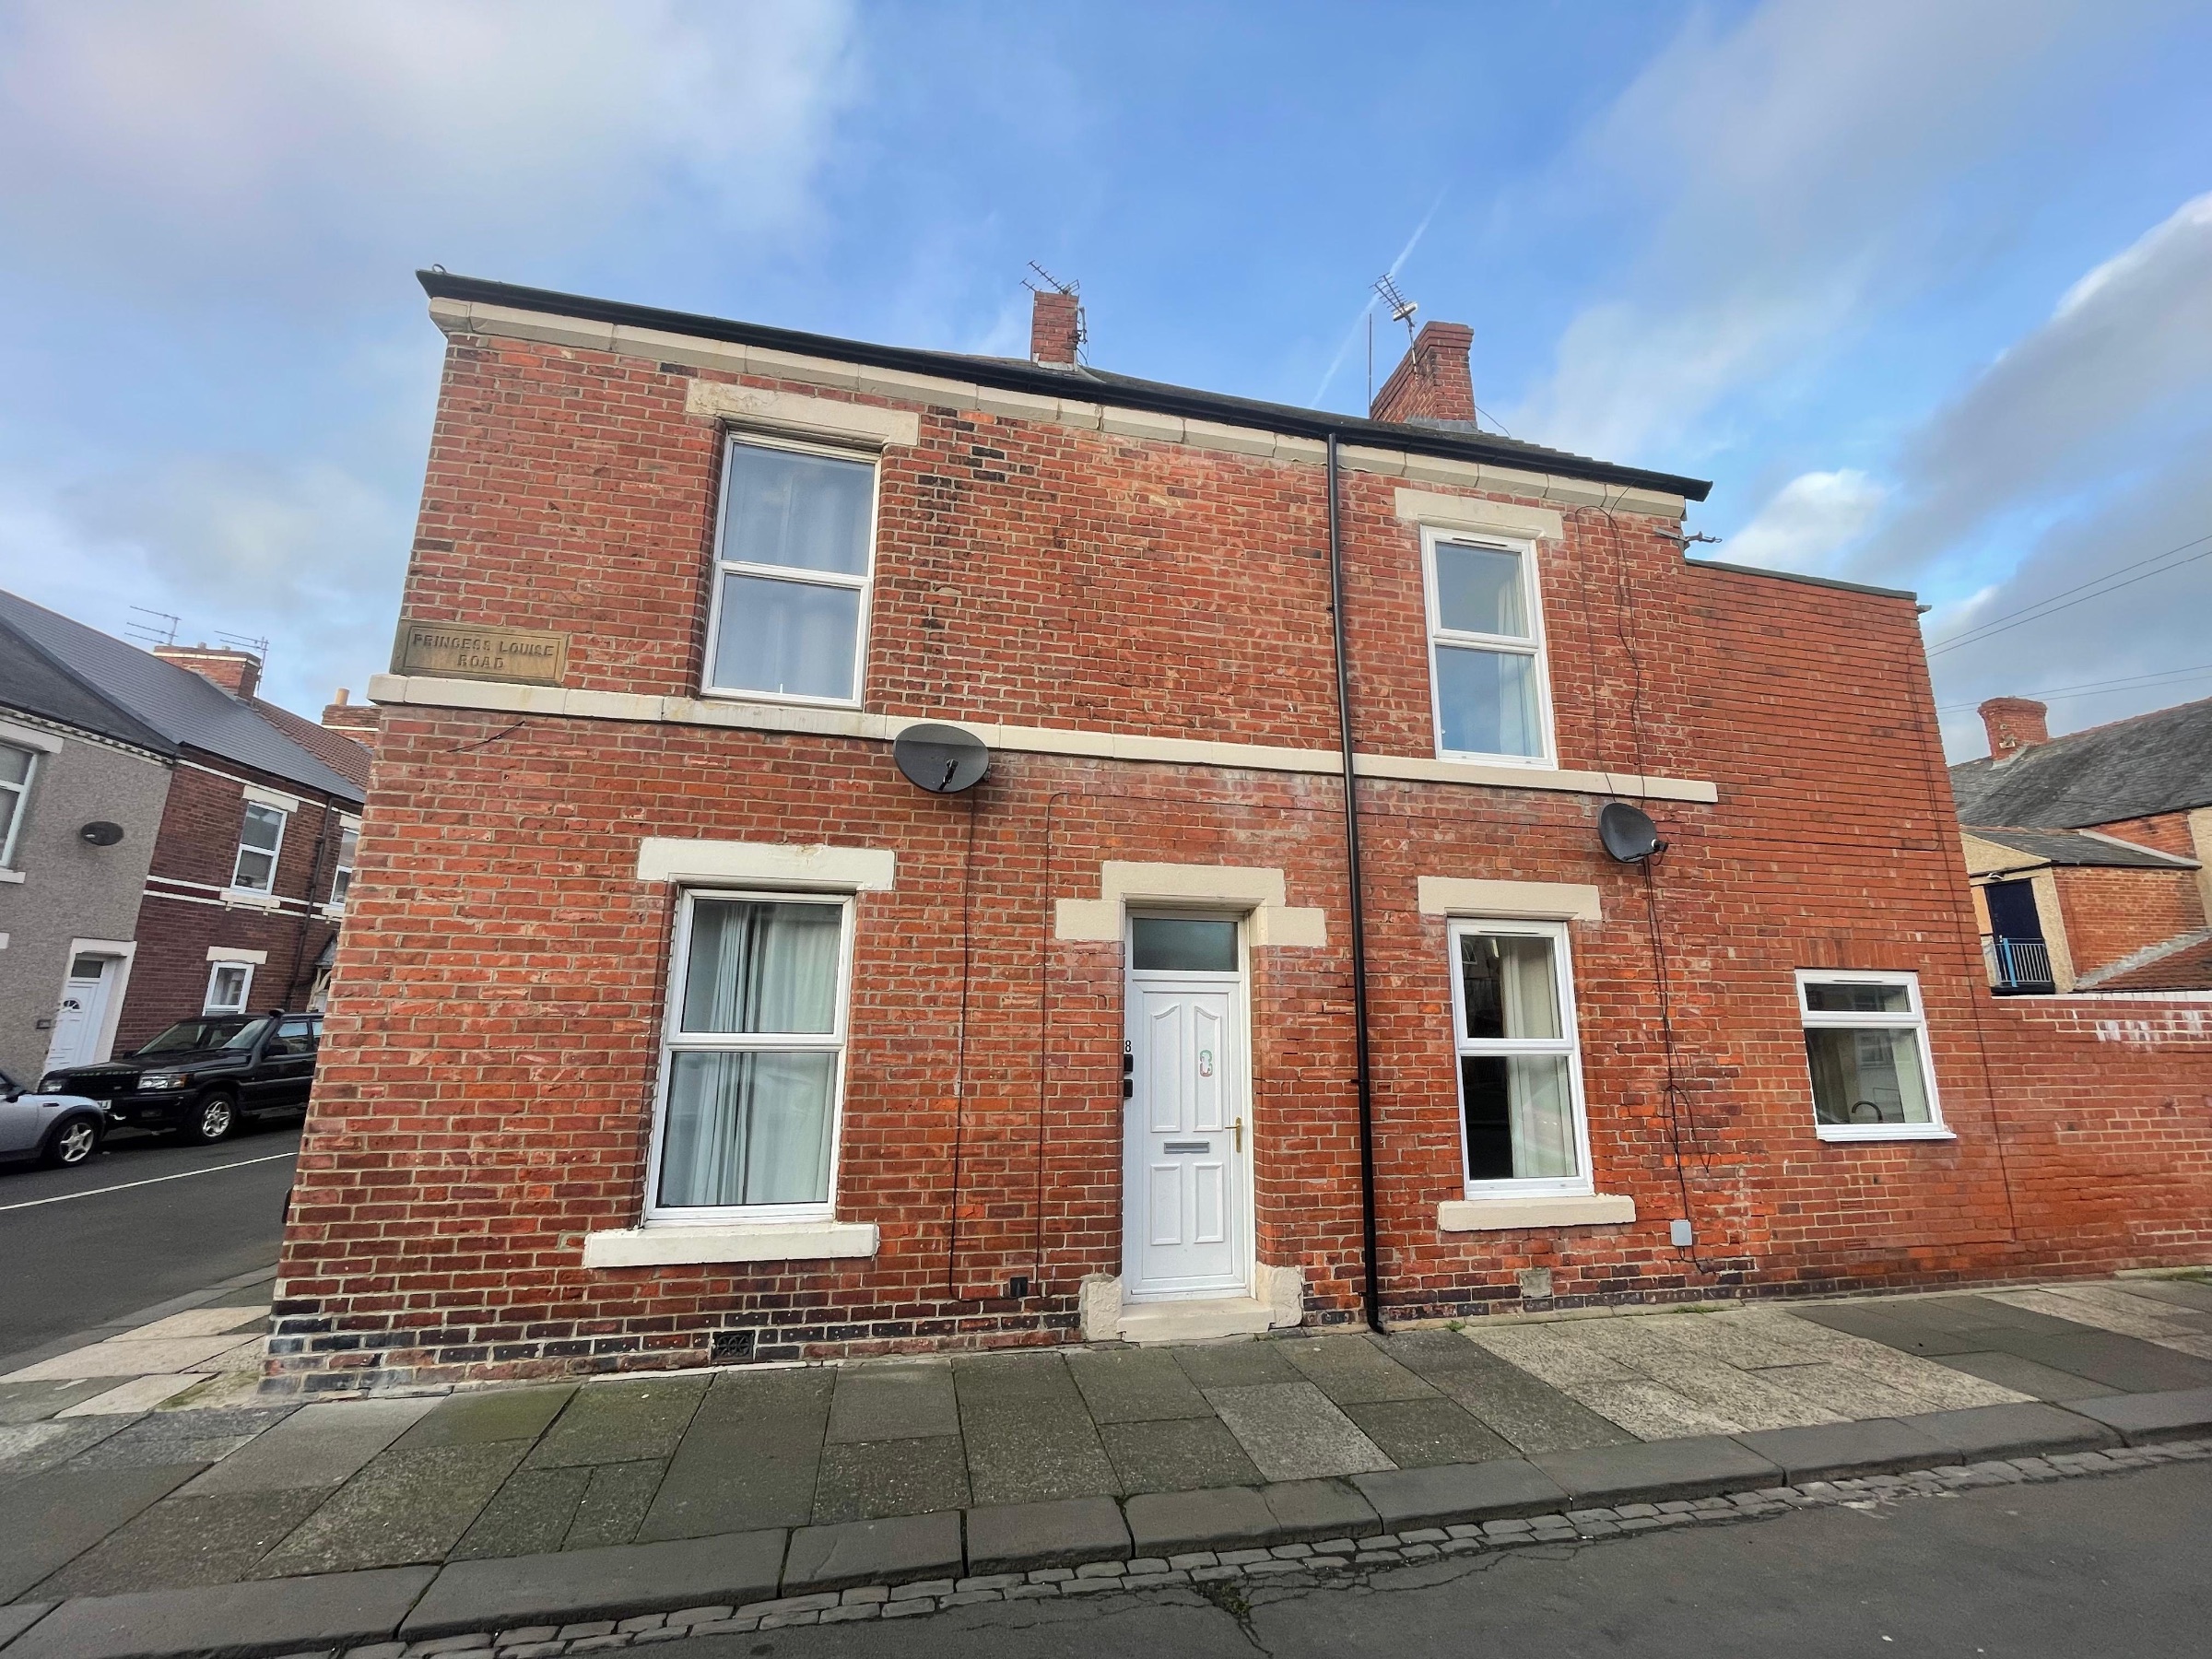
{"x":1185,"y":1227}
{"x":83,"y":1014}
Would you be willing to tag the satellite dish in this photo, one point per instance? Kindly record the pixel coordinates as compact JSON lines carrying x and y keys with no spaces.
{"x":943,"y":759}
{"x":1628,"y":834}
{"x":101,"y":833}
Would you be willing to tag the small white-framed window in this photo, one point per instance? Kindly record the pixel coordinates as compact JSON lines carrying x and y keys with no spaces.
{"x":1488,"y":687}
{"x":349,"y":839}
{"x":752,"y":1057}
{"x":260,"y":840}
{"x":1522,"y":1129}
{"x":228,"y":986}
{"x":1866,"y":1047}
{"x":17,"y":767}
{"x":793,"y":559}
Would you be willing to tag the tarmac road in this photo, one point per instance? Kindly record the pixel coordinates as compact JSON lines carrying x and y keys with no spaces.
{"x":2118,"y":1565}
{"x":81,"y":1246}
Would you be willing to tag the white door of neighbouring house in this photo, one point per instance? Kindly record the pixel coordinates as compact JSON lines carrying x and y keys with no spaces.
{"x":1187,"y":1163}
{"x":83,"y":1014}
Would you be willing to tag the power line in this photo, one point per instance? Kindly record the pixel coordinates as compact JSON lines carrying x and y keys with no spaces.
{"x":2046,"y":607}
{"x":2097,"y":687}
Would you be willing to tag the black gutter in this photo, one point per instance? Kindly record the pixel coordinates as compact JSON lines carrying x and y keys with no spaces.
{"x":1363,"y":1075}
{"x":1119,"y":390}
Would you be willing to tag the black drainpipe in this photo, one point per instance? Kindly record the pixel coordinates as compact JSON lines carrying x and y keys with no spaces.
{"x":1364,"y":1075}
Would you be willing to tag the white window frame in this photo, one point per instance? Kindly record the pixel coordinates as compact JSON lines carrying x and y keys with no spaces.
{"x":275,"y":853}
{"x":674,"y":1040}
{"x":245,"y":988}
{"x":1569,"y":1043}
{"x":1532,"y":646}
{"x":22,"y":803}
{"x":1916,"y":1021}
{"x":724,"y":567}
{"x":336,"y":906}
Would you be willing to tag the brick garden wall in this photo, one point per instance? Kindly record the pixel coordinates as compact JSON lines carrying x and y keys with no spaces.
{"x":487,"y":1083}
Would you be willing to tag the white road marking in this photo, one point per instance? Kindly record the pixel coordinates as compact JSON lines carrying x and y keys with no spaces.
{"x":150,"y":1180}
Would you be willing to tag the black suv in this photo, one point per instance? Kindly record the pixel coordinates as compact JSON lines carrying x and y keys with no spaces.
{"x":204,"y":1076}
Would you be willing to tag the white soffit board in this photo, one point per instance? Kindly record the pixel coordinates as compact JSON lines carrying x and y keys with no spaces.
{"x":1474,"y":512}
{"x":772,"y":863}
{"x":1539,"y":901}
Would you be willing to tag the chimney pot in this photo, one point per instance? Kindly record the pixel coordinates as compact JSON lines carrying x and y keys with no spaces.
{"x":1433,"y":380}
{"x":2014,"y":724}
{"x":1055,"y":328}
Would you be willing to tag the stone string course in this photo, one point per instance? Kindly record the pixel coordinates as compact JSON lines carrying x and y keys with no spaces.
{"x":1333,"y":1558}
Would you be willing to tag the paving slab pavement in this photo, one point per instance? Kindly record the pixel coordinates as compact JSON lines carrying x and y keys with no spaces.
{"x":1299,"y":1436}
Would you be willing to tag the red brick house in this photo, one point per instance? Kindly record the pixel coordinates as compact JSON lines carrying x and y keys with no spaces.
{"x":2089,"y":852}
{"x":676,"y":1023}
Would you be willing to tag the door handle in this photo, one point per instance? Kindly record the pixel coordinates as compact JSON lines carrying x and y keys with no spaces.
{"x":1237,"y":1131}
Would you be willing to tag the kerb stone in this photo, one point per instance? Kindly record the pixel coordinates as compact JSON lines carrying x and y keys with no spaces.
{"x":568,"y":1586}
{"x":1450,"y":1492}
{"x":1017,"y":1538}
{"x":1695,"y":1468}
{"x":269,"y":1615}
{"x":874,"y":1552}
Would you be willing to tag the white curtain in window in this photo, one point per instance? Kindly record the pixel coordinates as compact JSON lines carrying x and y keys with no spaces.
{"x":749,"y":1127}
{"x":1540,"y":1115}
{"x":762,"y":967}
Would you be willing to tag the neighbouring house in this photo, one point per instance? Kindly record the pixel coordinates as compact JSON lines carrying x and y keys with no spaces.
{"x":2089,"y":853}
{"x":1274,"y":970}
{"x":174,"y":843}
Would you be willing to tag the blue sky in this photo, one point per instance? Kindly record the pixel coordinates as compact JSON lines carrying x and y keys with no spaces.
{"x":1926,"y":289}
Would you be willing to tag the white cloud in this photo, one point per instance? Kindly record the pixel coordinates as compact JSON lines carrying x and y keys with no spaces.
{"x":1808,"y":520}
{"x":2119,"y":374}
{"x":247,"y":139}
{"x":1792,"y":172}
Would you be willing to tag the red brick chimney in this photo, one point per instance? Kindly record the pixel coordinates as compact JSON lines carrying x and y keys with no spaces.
{"x":237,"y":672}
{"x":1055,"y":328}
{"x":2014,"y":724}
{"x":1433,"y":382}
{"x":357,"y":721}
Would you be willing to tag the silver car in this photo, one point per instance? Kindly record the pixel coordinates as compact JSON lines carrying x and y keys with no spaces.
{"x":60,"y":1129}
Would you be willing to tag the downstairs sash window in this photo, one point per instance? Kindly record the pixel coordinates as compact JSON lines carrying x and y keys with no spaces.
{"x":753,"y":1059}
{"x":1520,"y":1067}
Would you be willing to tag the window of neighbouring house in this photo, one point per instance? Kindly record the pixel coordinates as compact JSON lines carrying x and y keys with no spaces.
{"x":259,"y":840}
{"x":16,"y":767}
{"x":349,"y":838}
{"x":1486,"y":649}
{"x":791,"y":582}
{"x":1866,"y":1045}
{"x":1520,"y":1066}
{"x":229,"y":985}
{"x":753,"y":1058}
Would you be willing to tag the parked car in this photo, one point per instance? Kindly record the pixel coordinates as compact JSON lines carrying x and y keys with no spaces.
{"x":206,"y":1076}
{"x":60,"y":1129}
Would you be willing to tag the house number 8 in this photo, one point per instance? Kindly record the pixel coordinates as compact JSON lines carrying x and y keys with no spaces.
{"x":1205,"y":1063}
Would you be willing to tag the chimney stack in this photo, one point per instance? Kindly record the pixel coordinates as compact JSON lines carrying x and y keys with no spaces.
{"x":1055,"y":328}
{"x":237,"y":672}
{"x":1433,"y":383}
{"x":357,"y":721}
{"x":2014,"y":724}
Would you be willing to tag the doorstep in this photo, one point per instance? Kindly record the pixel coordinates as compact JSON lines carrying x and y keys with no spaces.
{"x":1150,"y":1323}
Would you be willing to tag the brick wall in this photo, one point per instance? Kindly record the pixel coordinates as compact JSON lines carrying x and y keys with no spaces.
{"x":486,"y":1086}
{"x":196,"y":854}
{"x":2113,"y":914}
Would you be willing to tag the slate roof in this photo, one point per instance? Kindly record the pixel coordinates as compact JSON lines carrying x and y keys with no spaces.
{"x":2074,"y":847}
{"x":2152,"y":763}
{"x":2186,"y":968}
{"x":1021,"y":375}
{"x":348,"y":756}
{"x":117,"y":690}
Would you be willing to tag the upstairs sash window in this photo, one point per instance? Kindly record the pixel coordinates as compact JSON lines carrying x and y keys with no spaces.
{"x":260,"y":840}
{"x":791,"y":582}
{"x":1485,"y":650}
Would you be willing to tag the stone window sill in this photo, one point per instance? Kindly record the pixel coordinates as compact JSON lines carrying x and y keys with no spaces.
{"x":11,"y":875}
{"x":728,"y":1242}
{"x":251,"y":899}
{"x":1499,"y":1214}
{"x":1883,"y":1132}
